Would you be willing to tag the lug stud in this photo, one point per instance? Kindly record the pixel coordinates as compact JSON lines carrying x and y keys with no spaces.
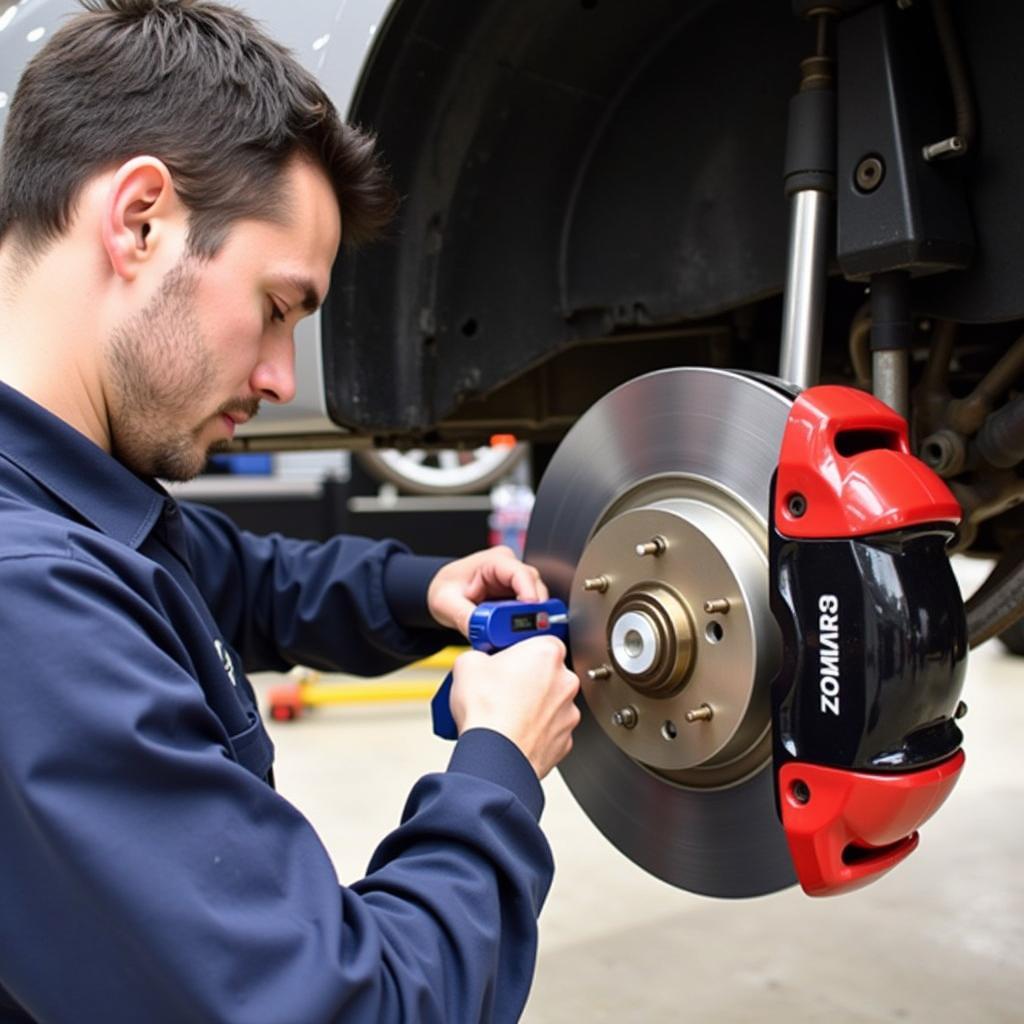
{"x":655,"y":546}
{"x":719,"y":606}
{"x":601,"y":672}
{"x":625,"y":717}
{"x":598,"y":583}
{"x":702,"y":714}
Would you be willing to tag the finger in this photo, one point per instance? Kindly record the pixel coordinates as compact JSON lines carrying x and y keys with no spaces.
{"x":500,"y":574}
{"x":493,"y":581}
{"x":525,"y":583}
{"x":555,"y":647}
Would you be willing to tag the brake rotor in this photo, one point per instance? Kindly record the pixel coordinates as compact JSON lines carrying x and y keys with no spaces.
{"x":651,"y":523}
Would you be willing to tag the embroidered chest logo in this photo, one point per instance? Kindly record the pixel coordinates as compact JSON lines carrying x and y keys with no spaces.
{"x":225,"y":658}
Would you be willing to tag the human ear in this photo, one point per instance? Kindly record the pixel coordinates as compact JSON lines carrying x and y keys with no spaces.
{"x":140,"y":209}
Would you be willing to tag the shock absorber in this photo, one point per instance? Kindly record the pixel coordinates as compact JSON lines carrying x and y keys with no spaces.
{"x":810,"y":181}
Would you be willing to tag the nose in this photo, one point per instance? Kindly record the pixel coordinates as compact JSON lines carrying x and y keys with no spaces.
{"x":273,"y":377}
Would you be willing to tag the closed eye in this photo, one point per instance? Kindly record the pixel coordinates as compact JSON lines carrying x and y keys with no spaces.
{"x":276,"y":313}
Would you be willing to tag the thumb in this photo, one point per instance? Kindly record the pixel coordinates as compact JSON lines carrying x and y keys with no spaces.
{"x":461,"y":610}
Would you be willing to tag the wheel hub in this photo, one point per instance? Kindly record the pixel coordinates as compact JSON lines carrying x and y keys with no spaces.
{"x":650,"y":639}
{"x":646,"y":641}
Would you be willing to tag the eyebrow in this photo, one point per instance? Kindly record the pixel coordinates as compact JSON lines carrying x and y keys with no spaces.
{"x":311,"y":300}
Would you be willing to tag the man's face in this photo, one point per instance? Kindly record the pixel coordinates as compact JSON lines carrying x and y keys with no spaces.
{"x":216,"y":338}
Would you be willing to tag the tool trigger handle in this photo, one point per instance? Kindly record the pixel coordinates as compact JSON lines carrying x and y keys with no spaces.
{"x":441,"y":711}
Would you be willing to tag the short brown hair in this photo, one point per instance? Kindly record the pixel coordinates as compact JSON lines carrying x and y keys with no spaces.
{"x":198,"y":85}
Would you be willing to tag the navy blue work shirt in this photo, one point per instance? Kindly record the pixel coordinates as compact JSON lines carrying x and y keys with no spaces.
{"x":150,"y":873}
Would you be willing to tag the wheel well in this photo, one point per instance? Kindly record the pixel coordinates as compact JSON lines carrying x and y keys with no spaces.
{"x":592,"y":190}
{"x":572,"y":172}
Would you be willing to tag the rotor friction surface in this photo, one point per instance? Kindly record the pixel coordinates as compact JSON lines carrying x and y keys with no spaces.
{"x":711,"y":425}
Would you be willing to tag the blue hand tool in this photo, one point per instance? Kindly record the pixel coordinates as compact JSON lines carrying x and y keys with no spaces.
{"x":493,"y":626}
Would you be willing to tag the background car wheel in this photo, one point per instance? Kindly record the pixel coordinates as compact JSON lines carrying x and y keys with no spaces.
{"x":444,"y":471}
{"x":1013,"y":637}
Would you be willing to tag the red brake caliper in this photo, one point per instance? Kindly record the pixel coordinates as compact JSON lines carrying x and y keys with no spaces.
{"x":875,"y":640}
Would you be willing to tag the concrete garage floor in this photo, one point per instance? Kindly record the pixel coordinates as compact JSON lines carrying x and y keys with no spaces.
{"x":939,"y":939}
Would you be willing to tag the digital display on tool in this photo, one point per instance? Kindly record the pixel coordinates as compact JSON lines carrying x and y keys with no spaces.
{"x":493,"y":626}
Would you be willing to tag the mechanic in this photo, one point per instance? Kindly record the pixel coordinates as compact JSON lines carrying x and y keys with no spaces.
{"x":173,"y":190}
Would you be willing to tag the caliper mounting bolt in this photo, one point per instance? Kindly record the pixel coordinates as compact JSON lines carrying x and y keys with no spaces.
{"x":796,"y":505}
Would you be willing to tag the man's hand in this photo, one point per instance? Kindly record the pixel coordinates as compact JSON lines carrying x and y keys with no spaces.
{"x":487,"y":575}
{"x":525,"y":692}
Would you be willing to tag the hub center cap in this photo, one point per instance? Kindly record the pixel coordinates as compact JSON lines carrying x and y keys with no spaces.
{"x":650,"y":639}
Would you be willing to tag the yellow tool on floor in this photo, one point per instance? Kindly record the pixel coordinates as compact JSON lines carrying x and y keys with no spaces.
{"x":305,"y":687}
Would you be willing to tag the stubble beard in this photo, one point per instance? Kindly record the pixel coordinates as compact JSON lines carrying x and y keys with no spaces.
{"x":161,"y":372}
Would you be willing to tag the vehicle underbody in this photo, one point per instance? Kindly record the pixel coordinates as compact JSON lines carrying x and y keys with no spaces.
{"x":593,"y":191}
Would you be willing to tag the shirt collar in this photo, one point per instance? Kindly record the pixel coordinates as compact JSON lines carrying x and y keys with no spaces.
{"x":80,"y":473}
